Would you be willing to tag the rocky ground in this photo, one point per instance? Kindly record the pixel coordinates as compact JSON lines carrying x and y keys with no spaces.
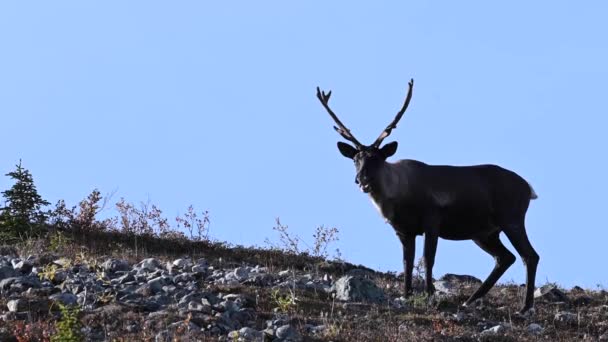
{"x":202,"y":298}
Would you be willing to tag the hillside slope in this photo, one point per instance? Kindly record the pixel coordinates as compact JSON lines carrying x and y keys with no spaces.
{"x":213,"y":292}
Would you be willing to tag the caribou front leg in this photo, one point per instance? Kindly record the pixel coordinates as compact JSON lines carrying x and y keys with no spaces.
{"x":408,"y":242}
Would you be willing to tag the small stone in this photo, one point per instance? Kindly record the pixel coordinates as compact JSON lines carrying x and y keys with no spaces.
{"x":269,"y":332}
{"x":355,"y":288}
{"x":16,"y":305}
{"x":156,"y":284}
{"x":497,"y":329}
{"x":23,"y":283}
{"x":182,"y":263}
{"x":229,"y":306}
{"x":34,"y":305}
{"x":445,"y":287}
{"x":250,"y":334}
{"x":199,"y":269}
{"x":64,"y":298}
{"x":535,"y":329}
{"x":59,"y":277}
{"x":461,"y":278}
{"x":287,"y":332}
{"x":183,"y":278}
{"x":115,"y":265}
{"x":241,"y":273}
{"x":551,"y":293}
{"x":149,"y":264}
{"x":566,"y":317}
{"x":125,"y":278}
{"x":199,"y":307}
{"x":23,"y":266}
{"x":7,"y":272}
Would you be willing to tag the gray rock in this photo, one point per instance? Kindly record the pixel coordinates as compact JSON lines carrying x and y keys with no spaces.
{"x":288,"y":333}
{"x":64,"y":298}
{"x":353,"y":288}
{"x":535,"y":329}
{"x":250,"y":334}
{"x":446,"y":287}
{"x":241,"y":273}
{"x":23,"y":266}
{"x":156,"y":284}
{"x":198,"y":269}
{"x":183,"y":278}
{"x":149,"y":264}
{"x":182,"y":263}
{"x":400,"y":302}
{"x":269,"y":332}
{"x":199,"y":307}
{"x":461,"y":278}
{"x":566,"y":317}
{"x":125,"y":278}
{"x":259,"y":269}
{"x":202,"y":262}
{"x":495,"y":330}
{"x":7,"y":271}
{"x":551,"y":293}
{"x":59,"y":277}
{"x":34,"y":305}
{"x":115,"y":265}
{"x":229,"y":305}
{"x":22,"y":283}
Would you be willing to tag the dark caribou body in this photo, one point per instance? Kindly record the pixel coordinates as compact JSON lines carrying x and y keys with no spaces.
{"x":440,"y":201}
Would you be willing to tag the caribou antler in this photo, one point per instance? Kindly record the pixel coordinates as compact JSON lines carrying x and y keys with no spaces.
{"x":389,"y":128}
{"x":344,"y":132}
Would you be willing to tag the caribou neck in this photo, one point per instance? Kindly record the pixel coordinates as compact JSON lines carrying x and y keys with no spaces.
{"x":392,"y":182}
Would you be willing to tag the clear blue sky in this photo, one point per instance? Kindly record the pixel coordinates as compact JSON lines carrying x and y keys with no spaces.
{"x":213,"y":104}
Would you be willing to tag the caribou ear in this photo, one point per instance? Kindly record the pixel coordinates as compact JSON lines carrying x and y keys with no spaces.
{"x":389,"y":149}
{"x":346,"y":150}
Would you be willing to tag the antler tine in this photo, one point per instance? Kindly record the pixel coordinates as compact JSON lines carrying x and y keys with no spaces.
{"x":393,"y":124}
{"x":344,"y":132}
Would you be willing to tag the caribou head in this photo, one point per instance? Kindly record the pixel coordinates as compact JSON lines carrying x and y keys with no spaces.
{"x":368,"y":158}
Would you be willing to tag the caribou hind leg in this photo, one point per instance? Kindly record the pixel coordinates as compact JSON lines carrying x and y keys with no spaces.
{"x":504,"y":259}
{"x":519,"y":239}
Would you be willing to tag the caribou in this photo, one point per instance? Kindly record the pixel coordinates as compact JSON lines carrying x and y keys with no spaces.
{"x":475,"y":202}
